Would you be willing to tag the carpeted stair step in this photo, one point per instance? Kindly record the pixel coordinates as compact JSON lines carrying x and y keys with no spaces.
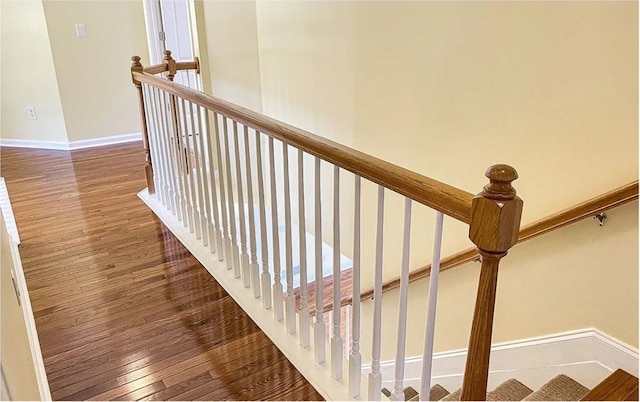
{"x":510,"y":390}
{"x":436,"y":393}
{"x":454,"y":396}
{"x":561,"y":388}
{"x":409,"y":393}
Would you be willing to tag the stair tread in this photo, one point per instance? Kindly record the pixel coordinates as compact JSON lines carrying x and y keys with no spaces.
{"x":510,"y":390}
{"x":454,"y":396}
{"x":436,"y":393}
{"x":561,"y":388}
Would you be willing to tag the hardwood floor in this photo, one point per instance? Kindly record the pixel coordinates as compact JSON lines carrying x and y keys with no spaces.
{"x":123,"y":311}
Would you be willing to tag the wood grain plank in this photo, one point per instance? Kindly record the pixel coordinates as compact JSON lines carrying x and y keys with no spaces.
{"x":120,"y":304}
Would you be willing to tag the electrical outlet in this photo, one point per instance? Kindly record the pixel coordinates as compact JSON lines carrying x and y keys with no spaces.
{"x":31,"y":113}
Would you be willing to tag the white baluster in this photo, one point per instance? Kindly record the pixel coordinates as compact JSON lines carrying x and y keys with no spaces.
{"x":427,"y":357}
{"x":347,"y":329}
{"x":253,"y":256}
{"x":208,"y":170}
{"x":224,"y":229}
{"x":398,"y":393}
{"x":290,"y":298}
{"x":277,"y":286}
{"x":336,"y":339}
{"x":169,"y":146}
{"x":196,"y":157}
{"x":234,"y":257}
{"x":355,"y":359}
{"x":191,"y":196}
{"x":302,"y":233}
{"x":375,"y":377}
{"x":173,"y":126}
{"x":162,"y":176}
{"x":153,"y":147}
{"x":265,"y":278}
{"x":318,"y":324}
{"x":171,"y":157}
{"x":244,"y":259}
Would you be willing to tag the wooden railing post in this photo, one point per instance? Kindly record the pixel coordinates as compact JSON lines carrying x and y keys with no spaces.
{"x":495,"y":223}
{"x":171,"y":65}
{"x":148,"y":167}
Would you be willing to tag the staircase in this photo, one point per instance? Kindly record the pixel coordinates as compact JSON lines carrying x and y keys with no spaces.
{"x":207,"y":158}
{"x":620,"y":385}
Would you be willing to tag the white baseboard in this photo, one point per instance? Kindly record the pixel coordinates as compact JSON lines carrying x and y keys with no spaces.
{"x":73,"y":145}
{"x":586,"y":355}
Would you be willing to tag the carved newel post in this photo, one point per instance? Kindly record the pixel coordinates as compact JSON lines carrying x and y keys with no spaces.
{"x":136,"y":66}
{"x":494,"y":228}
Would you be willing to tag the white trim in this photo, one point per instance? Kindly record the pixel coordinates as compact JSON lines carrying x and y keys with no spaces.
{"x":587,"y":355}
{"x":318,"y":375}
{"x":73,"y":145}
{"x":57,"y":145}
{"x":99,"y":142}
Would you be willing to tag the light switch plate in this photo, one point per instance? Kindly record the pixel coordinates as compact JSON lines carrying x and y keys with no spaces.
{"x":81,"y":32}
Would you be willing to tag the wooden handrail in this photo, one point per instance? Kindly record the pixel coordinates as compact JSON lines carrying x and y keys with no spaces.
{"x":432,"y":193}
{"x":592,"y":207}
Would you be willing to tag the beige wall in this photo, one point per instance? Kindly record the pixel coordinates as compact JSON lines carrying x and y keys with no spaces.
{"x":449,"y":88}
{"x":232,"y":51}
{"x":28,"y":75}
{"x":93,"y":72}
{"x":577,"y":277}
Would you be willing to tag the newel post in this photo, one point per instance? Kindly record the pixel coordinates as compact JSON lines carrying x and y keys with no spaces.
{"x":495,"y":223}
{"x":136,"y":66}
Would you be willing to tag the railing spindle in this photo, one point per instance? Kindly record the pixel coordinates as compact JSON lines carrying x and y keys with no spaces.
{"x":375,"y":377}
{"x":234,"y":257}
{"x":302,"y":233}
{"x":336,"y":339}
{"x":253,"y":256}
{"x":161,"y":187}
{"x":191,"y":204}
{"x":244,"y":258}
{"x":224,"y":228}
{"x":355,"y":359}
{"x":208,"y":174}
{"x":183,"y":184}
{"x":277,"y":285}
{"x":151,"y":140}
{"x":171,"y":157}
{"x":174,"y":197}
{"x":318,"y":324}
{"x":427,"y":356}
{"x":197,"y":155}
{"x":290,"y":298}
{"x":398,"y":393}
{"x":265,"y":278}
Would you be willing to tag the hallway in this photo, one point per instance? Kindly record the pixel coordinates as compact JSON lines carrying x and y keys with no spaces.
{"x":123,"y":310}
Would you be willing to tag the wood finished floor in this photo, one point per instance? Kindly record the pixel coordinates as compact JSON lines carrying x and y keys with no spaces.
{"x":123,"y":311}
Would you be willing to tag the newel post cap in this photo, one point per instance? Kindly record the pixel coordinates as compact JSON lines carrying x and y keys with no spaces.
{"x":135,"y":66}
{"x":500,"y":177}
{"x":496,"y":212}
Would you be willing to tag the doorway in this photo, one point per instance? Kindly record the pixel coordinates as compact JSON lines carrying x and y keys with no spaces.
{"x":169,"y":27}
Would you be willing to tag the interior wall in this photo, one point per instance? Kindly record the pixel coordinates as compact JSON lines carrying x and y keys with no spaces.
{"x":93,"y":73}
{"x":28,"y":75}
{"x":17,"y":361}
{"x":232,"y":51}
{"x":449,"y":88}
{"x":577,"y":277}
